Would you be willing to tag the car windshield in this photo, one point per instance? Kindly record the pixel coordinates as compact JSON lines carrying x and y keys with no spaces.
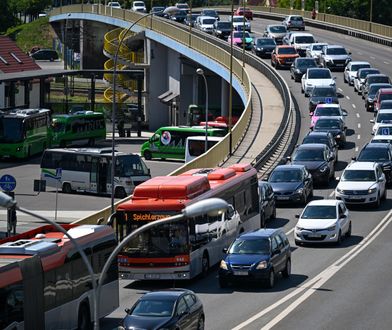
{"x":327,"y":123}
{"x":241,"y":35}
{"x":384,"y":130}
{"x":319,"y":212}
{"x":317,"y":47}
{"x":323,"y":92}
{"x":306,"y":63}
{"x":278,"y":29}
{"x":373,"y":89}
{"x":336,"y":51}
{"x":250,"y":246}
{"x":358,"y":175}
{"x":294,"y":175}
{"x":296,"y":18}
{"x":384,"y":118}
{"x":157,"y":9}
{"x":374,"y":154}
{"x":287,"y":50}
{"x":309,"y":155}
{"x":211,"y":13}
{"x":356,"y":67}
{"x":262,"y":42}
{"x":365,"y":72}
{"x":327,"y":112}
{"x":239,"y":19}
{"x":154,"y":308}
{"x":319,"y":74}
{"x":304,"y":39}
{"x":223,"y":25}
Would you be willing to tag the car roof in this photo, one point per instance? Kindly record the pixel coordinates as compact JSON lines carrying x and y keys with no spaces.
{"x":263,"y":232}
{"x":361,"y":166}
{"x":318,"y":69}
{"x":318,"y":133}
{"x":324,"y":202}
{"x":288,"y":167}
{"x":170,"y":294}
{"x":312,"y":146}
{"x":371,"y":75}
{"x":303,"y":34}
{"x":376,"y":145}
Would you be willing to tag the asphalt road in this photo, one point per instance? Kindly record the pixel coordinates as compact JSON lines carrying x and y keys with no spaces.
{"x":346,"y":287}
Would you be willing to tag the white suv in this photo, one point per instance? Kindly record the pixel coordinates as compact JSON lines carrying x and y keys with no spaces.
{"x":316,"y":77}
{"x":139,"y":6}
{"x":301,"y":41}
{"x":362,"y":183}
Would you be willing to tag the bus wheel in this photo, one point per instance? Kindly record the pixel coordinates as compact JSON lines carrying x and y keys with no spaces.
{"x":67,"y":188}
{"x":147,"y":155}
{"x":84,"y":321}
{"x":205,"y":264}
{"x":120,"y":193}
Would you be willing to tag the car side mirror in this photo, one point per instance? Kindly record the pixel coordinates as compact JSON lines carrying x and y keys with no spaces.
{"x":127,"y":310}
{"x":343,"y":216}
{"x":354,"y":158}
{"x":310,"y":114}
{"x":372,"y":133}
{"x":224,"y":250}
{"x":297,"y":216}
{"x":344,"y":112}
{"x":349,"y":53}
{"x":288,"y":158}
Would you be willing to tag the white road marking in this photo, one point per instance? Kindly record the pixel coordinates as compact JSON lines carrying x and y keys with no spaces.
{"x":340,"y":90}
{"x":354,"y":106}
{"x":332,"y":193}
{"x":356,"y":149}
{"x":329,"y":272}
{"x":290,"y":231}
{"x":372,"y":57}
{"x":347,"y":97}
{"x":359,"y":125}
{"x":386,"y":62}
{"x":358,"y":137}
{"x":321,"y":278}
{"x":359,"y":53}
{"x":357,"y":113}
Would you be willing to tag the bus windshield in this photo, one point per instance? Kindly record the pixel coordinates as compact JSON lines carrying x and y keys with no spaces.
{"x":11,"y":130}
{"x":130,"y":165}
{"x":164,"y":240}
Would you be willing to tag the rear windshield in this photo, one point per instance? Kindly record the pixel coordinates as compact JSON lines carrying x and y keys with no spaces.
{"x":336,"y":51}
{"x":319,"y":74}
{"x":224,"y":25}
{"x":327,"y":112}
{"x":287,"y":51}
{"x":296,"y":18}
{"x":278,"y":29}
{"x":384,"y":130}
{"x":386,"y":96}
{"x":208,"y":21}
{"x":324,"y":92}
{"x":378,"y":79}
{"x":241,"y":35}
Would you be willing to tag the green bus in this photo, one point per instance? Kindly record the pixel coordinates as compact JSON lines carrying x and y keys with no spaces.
{"x":24,"y":132}
{"x":169,"y":142}
{"x":81,"y":126}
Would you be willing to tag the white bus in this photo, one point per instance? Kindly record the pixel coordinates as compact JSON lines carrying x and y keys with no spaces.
{"x":195,"y":146}
{"x":89,"y":170}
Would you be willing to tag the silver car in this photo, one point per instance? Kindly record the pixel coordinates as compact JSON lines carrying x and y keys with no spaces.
{"x":275,"y":31}
{"x":350,"y":71}
{"x":314,"y":50}
{"x":361,"y":76}
{"x":334,"y":57}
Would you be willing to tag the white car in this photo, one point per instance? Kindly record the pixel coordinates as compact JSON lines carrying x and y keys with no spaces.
{"x":360,"y":77}
{"x":301,"y":41}
{"x":238,"y":23}
{"x":314,"y":50}
{"x":383,"y":116}
{"x":383,"y":133}
{"x":319,"y":77}
{"x":351,"y":69}
{"x":139,"y":6}
{"x":362,"y":183}
{"x":114,"y":4}
{"x":323,"y":221}
{"x":205,"y":23}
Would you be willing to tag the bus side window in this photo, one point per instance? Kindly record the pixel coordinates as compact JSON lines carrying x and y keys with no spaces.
{"x":240,"y":203}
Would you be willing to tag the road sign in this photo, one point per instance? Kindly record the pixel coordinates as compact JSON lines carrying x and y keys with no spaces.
{"x":7,"y":182}
{"x":59,"y":172}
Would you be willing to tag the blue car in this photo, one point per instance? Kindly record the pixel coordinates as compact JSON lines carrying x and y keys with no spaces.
{"x":257,"y":256}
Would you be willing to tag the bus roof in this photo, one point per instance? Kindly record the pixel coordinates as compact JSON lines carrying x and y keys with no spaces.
{"x":203,"y":138}
{"x":24,"y":113}
{"x":78,"y":114}
{"x":90,"y":151}
{"x":175,"y":192}
{"x":47,"y":242}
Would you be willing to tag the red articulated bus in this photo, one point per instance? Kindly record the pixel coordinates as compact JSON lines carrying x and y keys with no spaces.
{"x":185,"y":249}
{"x":44,"y":283}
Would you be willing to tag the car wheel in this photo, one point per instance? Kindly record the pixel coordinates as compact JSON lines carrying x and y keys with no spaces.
{"x":147,"y":155}
{"x":348,"y":234}
{"x":339,"y":241}
{"x":66,"y":188}
{"x":272,"y":63}
{"x":302,"y":90}
{"x":200,"y":323}
{"x":271,"y":279}
{"x":223,"y":283}
{"x":287,"y":271}
{"x":377,"y":203}
{"x":384,"y":196}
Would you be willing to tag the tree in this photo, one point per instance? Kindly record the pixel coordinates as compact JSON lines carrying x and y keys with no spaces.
{"x":7,"y":19}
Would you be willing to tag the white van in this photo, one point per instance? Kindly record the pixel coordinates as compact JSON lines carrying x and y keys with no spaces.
{"x":195,"y":145}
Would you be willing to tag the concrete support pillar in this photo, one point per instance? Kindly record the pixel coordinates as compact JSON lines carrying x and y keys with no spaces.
{"x":225,"y":97}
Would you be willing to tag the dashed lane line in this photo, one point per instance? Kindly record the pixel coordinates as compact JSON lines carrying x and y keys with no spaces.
{"x":347,"y":97}
{"x":358,"y":137}
{"x":356,"y":149}
{"x":358,"y":115}
{"x":359,"y":125}
{"x":354,"y":106}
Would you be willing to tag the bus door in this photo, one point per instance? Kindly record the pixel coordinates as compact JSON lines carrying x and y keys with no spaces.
{"x":94,"y":175}
{"x":103,"y":177}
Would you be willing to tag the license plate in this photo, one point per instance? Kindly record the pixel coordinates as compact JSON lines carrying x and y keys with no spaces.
{"x":355,"y":197}
{"x":152,"y":276}
{"x":339,"y":64}
{"x":283,"y":198}
{"x":314,"y":235}
{"x":240,"y":273}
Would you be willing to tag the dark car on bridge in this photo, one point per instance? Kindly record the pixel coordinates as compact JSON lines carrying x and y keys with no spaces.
{"x":322,"y":94}
{"x":258,"y":257}
{"x":333,"y":125}
{"x":371,"y":95}
{"x":166,"y":309}
{"x":291,"y":183}
{"x":299,"y":67}
{"x":263,"y":47}
{"x":318,"y":160}
{"x":221,"y":29}
{"x":380,"y":153}
{"x":267,"y":202}
{"x":45,"y":54}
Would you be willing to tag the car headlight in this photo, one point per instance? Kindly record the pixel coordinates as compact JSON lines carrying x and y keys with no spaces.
{"x":328,"y":59}
{"x":339,"y":190}
{"x":323,"y":168}
{"x":332,"y":228}
{"x":338,"y":136}
{"x":223,"y":265}
{"x":262,"y":265}
{"x":299,"y":228}
{"x":372,"y":190}
{"x":299,"y":190}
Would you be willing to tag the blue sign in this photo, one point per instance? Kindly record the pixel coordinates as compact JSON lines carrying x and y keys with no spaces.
{"x":328,"y":100}
{"x":7,"y":182}
{"x":59,"y":173}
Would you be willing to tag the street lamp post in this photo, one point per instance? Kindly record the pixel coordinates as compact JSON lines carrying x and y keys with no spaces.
{"x":8,"y":202}
{"x":115,"y":60}
{"x":371,"y":16}
{"x":231,"y":82}
{"x":211,"y":207}
{"x":200,"y":72}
